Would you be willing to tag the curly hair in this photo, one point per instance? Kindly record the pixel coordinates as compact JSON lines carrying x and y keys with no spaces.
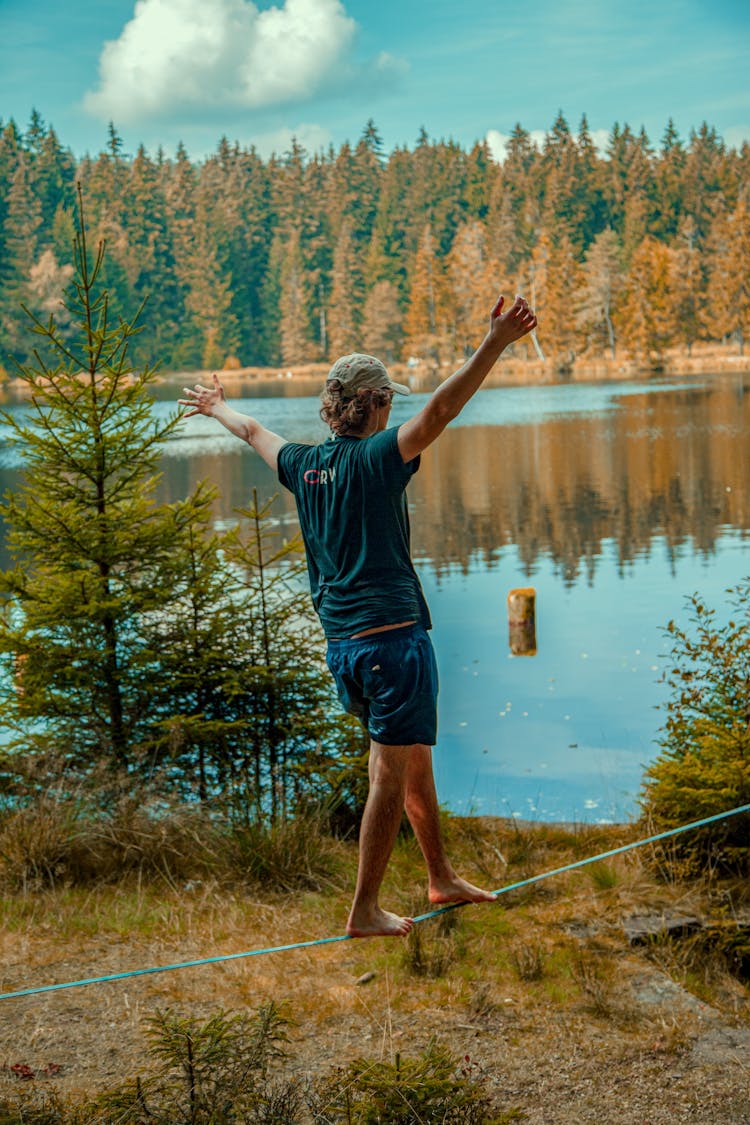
{"x":350,"y":415}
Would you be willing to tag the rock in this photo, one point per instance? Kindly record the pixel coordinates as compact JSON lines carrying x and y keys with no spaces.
{"x":642,"y":928}
{"x":719,"y":1044}
{"x":655,"y":989}
{"x":365,"y":978}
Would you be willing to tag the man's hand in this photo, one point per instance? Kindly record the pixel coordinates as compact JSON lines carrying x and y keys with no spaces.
{"x":203,"y":400}
{"x":518,"y":321}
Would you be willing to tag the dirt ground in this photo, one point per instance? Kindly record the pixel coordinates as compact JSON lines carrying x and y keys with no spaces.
{"x":644,"y":1052}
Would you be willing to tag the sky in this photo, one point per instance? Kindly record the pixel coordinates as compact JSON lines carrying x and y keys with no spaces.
{"x":192,"y":71}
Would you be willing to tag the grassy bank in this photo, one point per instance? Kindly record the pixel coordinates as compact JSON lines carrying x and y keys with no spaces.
{"x":555,"y":1008}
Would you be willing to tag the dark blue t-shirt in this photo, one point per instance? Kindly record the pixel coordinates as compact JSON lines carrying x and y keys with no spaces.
{"x":355,"y":526}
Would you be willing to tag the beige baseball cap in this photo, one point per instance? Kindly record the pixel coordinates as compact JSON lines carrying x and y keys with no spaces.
{"x":358,"y":370}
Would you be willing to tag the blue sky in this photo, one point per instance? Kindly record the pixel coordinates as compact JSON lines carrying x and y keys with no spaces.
{"x":194,"y":70}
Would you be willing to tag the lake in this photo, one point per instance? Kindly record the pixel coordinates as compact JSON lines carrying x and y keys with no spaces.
{"x":613,"y":501}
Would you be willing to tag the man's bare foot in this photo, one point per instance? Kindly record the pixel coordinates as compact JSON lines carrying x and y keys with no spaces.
{"x":377,"y":923}
{"x":458,"y":890}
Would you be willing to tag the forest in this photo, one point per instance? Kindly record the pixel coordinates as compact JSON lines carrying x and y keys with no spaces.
{"x":303,"y":256}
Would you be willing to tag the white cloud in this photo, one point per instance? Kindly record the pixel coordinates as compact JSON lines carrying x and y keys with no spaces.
{"x":497,"y":142}
{"x":736,"y":135}
{"x":203,"y":54}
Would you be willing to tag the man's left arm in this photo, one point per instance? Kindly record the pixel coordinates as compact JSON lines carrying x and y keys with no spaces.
{"x":211,"y":401}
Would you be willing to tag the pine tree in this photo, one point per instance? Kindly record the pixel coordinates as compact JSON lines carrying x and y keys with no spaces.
{"x":513,"y":214}
{"x":557,"y":302}
{"x":178,"y":179}
{"x":88,"y":540}
{"x":208,"y":296}
{"x":424,"y":322}
{"x":598,"y":293}
{"x":588,"y":206}
{"x":381,"y":322}
{"x":643,"y":316}
{"x":669,"y":173}
{"x":709,"y":182}
{"x":561,"y":187}
{"x":343,"y":305}
{"x":134,"y":639}
{"x":686,"y":286}
{"x":246,"y":715}
{"x":295,"y":303}
{"x":638,"y":213}
{"x":21,"y":244}
{"x":730,"y":277}
{"x":703,"y":766}
{"x":473,"y":284}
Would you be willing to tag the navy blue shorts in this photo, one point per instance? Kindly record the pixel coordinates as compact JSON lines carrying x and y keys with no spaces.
{"x":389,"y":681}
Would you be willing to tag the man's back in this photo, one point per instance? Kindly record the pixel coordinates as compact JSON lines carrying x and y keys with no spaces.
{"x":355,"y":524}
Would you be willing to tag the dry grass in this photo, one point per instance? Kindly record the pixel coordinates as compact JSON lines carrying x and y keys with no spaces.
{"x":65,"y":843}
{"x":510,"y":984}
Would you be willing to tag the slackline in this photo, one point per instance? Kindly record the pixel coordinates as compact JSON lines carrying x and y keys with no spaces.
{"x":345,"y":937}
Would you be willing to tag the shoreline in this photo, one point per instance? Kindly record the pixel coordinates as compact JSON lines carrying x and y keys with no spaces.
{"x":423,"y":376}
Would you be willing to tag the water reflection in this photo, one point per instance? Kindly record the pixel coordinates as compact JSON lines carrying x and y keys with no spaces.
{"x":613,"y":502}
{"x":670,"y":464}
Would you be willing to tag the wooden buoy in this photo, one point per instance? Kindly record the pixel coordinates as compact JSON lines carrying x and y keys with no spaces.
{"x":522,"y":621}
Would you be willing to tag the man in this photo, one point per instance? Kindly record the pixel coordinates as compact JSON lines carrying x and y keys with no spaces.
{"x":350,"y":498}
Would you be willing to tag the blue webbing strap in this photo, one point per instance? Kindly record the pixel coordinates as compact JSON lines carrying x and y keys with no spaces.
{"x":345,"y":937}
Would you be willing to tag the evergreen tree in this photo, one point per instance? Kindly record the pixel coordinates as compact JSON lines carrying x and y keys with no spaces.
{"x":389,"y":250}
{"x":669,"y":173}
{"x":481,"y":174}
{"x":472,"y":279}
{"x":638,"y":211}
{"x":21,"y":243}
{"x":588,"y":217}
{"x":561,"y":188}
{"x":161,"y":218}
{"x":343,"y":304}
{"x":730,"y":276}
{"x":709,"y":180}
{"x":703,"y":766}
{"x":133,"y":638}
{"x":643,"y":316}
{"x":513,"y":216}
{"x":424,"y":322}
{"x":597,"y":297}
{"x":381,"y":322}
{"x":89,"y":542}
{"x":557,"y":302}
{"x":686,"y":286}
{"x":179,"y":178}
{"x":10,"y":153}
{"x":295,"y":303}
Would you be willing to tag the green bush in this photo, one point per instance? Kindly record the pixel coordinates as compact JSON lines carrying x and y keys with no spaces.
{"x":432,"y":1087}
{"x":209,"y":1073}
{"x":703,"y":767}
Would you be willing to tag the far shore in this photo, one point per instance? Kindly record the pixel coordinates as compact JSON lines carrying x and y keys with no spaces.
{"x":424,"y":375}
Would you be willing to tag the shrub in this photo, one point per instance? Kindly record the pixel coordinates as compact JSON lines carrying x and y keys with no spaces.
{"x":432,"y":1087}
{"x":65,"y":841}
{"x":209,"y":1073}
{"x":56,"y":841}
{"x":704,"y":764}
{"x":288,"y":855}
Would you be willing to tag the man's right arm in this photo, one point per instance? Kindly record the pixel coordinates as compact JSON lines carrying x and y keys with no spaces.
{"x":211,"y":401}
{"x":447,"y":402}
